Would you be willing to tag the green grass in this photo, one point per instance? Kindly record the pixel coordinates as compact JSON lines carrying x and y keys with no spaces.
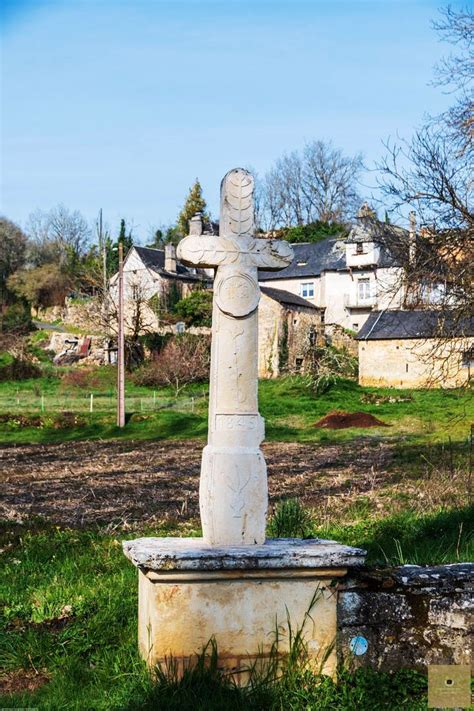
{"x":69,"y":602}
{"x":289,"y":407}
{"x":69,"y":597}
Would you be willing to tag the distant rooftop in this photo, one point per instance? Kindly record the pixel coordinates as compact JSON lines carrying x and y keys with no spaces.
{"x":286,"y":298}
{"x":388,"y":325}
{"x":311,"y":259}
{"x":155,"y":259}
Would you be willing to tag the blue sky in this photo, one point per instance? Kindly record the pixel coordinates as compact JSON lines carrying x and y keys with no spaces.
{"x":120,"y":104}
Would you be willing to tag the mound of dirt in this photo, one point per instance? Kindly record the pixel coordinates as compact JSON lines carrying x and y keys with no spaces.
{"x":339,"y":420}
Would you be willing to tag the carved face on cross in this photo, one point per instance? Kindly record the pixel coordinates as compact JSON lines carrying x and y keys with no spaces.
{"x":236,"y":244}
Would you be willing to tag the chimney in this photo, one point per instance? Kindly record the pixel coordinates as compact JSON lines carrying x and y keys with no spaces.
{"x":195,"y":224}
{"x":170,"y":258}
{"x":412,"y":238}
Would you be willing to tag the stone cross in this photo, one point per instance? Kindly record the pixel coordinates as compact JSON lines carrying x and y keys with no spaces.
{"x":233,"y":487}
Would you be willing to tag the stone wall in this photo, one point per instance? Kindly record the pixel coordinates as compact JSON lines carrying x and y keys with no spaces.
{"x":341,"y":339}
{"x":82,"y":315}
{"x":410,"y":616}
{"x":283,"y":332}
{"x":413,"y":363}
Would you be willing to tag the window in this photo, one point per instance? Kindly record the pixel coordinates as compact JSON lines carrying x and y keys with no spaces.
{"x":363,"y":289}
{"x":468,"y":358}
{"x":312,"y":336}
{"x":355,"y":326}
{"x":360,"y":248}
{"x":307,"y":289}
{"x":298,"y":364}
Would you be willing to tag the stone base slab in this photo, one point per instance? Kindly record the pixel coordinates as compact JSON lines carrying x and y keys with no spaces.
{"x":190,"y":593}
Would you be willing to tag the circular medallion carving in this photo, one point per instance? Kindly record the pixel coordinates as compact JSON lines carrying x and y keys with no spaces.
{"x":238,"y":295}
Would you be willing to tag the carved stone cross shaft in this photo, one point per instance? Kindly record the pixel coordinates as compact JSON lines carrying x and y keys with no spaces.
{"x":233,"y":488}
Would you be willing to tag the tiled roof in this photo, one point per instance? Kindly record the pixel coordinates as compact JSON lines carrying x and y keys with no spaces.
{"x":287,"y":298}
{"x":155,"y":259}
{"x":387,"y":325}
{"x":312,"y":258}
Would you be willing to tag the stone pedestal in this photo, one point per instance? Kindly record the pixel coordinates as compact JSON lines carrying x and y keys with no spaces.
{"x":190,"y":592}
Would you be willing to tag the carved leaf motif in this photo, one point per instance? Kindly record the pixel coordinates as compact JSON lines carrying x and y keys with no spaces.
{"x":272,"y":254}
{"x":238,"y":202}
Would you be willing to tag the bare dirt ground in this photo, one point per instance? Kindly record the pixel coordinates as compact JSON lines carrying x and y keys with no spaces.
{"x":136,"y":484}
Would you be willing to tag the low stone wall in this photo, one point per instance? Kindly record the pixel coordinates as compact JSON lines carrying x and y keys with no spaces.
{"x":410,"y":616}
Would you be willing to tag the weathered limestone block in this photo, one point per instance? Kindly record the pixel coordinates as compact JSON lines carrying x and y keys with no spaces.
{"x":190,"y":592}
{"x":411,"y":616}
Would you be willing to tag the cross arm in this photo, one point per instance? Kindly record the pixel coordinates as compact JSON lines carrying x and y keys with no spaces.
{"x":198,"y":251}
{"x":272,"y":254}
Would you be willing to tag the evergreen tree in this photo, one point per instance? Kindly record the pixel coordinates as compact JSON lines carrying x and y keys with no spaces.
{"x":126,"y":238}
{"x":194,"y":203}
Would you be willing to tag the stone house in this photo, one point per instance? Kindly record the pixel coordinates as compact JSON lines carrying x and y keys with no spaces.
{"x":416,"y":349}
{"x":350,"y":277}
{"x":154,"y":279}
{"x":287,"y":322}
{"x":287,"y":326}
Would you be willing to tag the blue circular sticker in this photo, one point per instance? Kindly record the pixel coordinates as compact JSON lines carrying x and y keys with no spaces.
{"x":358,"y":646}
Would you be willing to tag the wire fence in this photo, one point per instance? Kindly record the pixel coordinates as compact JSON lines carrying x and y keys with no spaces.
{"x":29,"y":402}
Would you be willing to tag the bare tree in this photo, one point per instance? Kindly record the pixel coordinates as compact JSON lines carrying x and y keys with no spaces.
{"x":456,"y":73}
{"x":433,"y":174}
{"x":318,"y":184}
{"x":330,"y":182}
{"x":60,"y":236}
{"x":184,"y":359}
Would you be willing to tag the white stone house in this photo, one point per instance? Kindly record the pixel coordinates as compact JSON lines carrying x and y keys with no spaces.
{"x":286,"y":320}
{"x":348,"y":278}
{"x":153,"y":277}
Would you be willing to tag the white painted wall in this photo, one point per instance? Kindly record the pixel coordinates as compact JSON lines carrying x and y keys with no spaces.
{"x":339,"y":294}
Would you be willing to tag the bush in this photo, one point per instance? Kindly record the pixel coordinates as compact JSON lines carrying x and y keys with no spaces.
{"x":312,"y":232}
{"x":13,"y":368}
{"x":184,"y":359}
{"x":83,"y":378}
{"x":196,"y":309}
{"x":326,"y":366}
{"x":16,"y":319}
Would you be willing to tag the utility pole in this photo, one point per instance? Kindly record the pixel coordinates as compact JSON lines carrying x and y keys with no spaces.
{"x":121,"y":345}
{"x":103,"y":249}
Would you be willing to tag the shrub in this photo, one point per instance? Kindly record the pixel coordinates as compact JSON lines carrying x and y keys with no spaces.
{"x":326,"y":366}
{"x":312,"y":232}
{"x":196,"y":309}
{"x":16,"y":318}
{"x":13,"y":368}
{"x":184,"y":359}
{"x":81,"y":378}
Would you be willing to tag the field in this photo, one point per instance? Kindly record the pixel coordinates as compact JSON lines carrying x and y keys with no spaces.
{"x":74,"y":486}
